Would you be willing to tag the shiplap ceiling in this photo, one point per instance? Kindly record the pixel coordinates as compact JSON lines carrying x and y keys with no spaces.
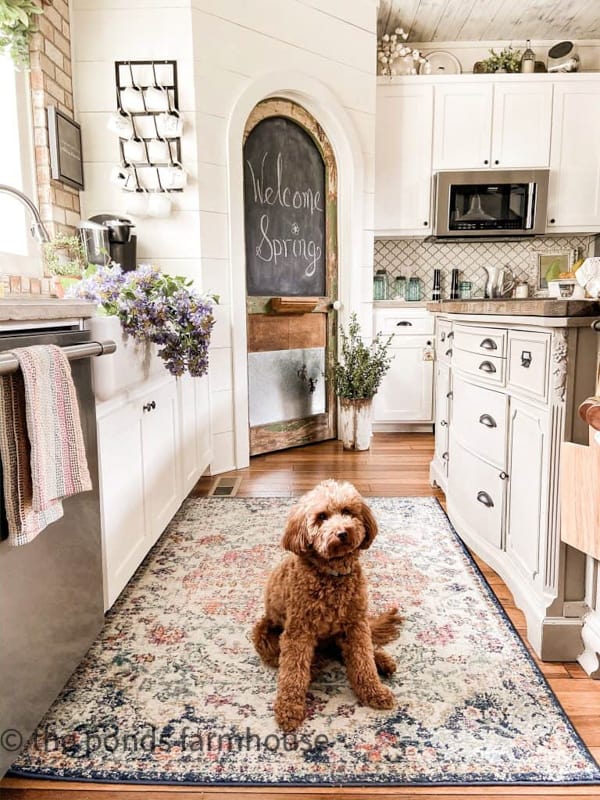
{"x":491,"y":20}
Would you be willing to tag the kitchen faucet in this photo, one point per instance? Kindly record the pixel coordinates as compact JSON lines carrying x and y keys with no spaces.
{"x":38,"y":229}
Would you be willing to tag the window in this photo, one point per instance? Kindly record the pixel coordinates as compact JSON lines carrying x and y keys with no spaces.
{"x":19,"y":253}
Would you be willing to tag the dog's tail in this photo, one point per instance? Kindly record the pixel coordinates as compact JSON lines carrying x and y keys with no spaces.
{"x":385,"y":627}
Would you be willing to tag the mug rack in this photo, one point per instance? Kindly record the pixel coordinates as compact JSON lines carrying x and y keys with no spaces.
{"x":141,"y":77}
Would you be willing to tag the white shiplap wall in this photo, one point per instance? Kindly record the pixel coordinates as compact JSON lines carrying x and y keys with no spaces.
{"x":221,"y":50}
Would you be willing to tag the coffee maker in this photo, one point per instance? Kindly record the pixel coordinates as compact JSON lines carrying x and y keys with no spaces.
{"x":107,"y":238}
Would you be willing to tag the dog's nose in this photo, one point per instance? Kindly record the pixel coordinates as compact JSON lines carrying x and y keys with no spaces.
{"x":342,"y":535}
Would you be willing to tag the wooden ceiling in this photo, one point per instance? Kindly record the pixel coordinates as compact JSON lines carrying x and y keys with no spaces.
{"x":491,"y":20}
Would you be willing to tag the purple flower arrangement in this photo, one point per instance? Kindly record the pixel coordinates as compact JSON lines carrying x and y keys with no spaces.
{"x":159,"y":308}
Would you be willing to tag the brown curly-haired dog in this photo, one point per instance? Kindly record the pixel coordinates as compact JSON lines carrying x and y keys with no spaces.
{"x":318,"y":596}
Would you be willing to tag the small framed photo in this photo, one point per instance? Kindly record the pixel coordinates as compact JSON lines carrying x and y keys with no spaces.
{"x":550,"y":263}
{"x":64,"y":136}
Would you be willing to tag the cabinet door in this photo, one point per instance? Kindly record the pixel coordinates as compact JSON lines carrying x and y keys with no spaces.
{"x":406,"y":392}
{"x":528,"y":468}
{"x":442,"y":412}
{"x":522,"y":122}
{"x":404,"y":127}
{"x":462,"y":125}
{"x":194,"y":431}
{"x":124,"y":542}
{"x":159,"y":449}
{"x":574,"y":191}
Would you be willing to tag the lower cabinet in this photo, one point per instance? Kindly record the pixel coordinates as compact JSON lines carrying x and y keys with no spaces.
{"x":500,"y":473}
{"x":153,"y":444}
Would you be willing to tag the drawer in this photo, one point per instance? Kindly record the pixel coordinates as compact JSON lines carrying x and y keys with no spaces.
{"x":488,"y":369}
{"x":487,"y":341}
{"x":529,"y":363}
{"x":479,"y":420}
{"x":476,"y":494}
{"x":404,"y":322}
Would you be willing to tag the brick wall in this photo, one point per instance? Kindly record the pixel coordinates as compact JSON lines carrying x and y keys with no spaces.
{"x":51,"y":85}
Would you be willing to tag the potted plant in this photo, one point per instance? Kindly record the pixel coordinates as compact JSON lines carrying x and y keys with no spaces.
{"x":356,"y":377}
{"x":17,"y":24}
{"x":158,"y":310}
{"x":507,"y":60}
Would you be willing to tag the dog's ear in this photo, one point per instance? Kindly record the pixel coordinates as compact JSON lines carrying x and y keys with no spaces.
{"x":370,"y":524}
{"x":295,"y":536}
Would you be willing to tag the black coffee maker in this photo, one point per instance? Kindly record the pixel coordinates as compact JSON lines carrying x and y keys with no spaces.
{"x":107,"y":238}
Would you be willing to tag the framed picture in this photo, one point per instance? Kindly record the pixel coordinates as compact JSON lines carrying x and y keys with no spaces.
{"x":550,"y":263}
{"x":64,"y":136}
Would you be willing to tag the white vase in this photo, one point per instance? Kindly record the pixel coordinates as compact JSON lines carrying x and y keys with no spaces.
{"x":355,"y":423}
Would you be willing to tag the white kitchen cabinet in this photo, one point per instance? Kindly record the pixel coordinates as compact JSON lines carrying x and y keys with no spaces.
{"x":406,"y":392}
{"x":504,"y":444}
{"x":194,"y":411}
{"x":496,"y":125}
{"x":462,"y":125}
{"x":574,"y":189}
{"x":404,"y":134}
{"x":442,"y":412}
{"x":153,"y":444}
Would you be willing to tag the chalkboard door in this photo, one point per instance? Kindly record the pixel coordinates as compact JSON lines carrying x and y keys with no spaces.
{"x":291,"y":276}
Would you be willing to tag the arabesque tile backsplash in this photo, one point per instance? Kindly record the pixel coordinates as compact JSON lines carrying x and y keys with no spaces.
{"x":419,"y":258}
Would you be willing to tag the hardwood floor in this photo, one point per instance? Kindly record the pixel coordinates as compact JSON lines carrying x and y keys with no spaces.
{"x":398,"y":465}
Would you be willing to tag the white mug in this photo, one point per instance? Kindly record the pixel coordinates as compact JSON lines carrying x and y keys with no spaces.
{"x":159,"y":151}
{"x":134,"y":150}
{"x":174,"y":177}
{"x":132,"y":98}
{"x":120,"y":124}
{"x":170,"y":124}
{"x":137,"y":204}
{"x":159,"y":204}
{"x":156,"y":98}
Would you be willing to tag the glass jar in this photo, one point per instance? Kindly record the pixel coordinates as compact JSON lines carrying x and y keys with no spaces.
{"x":399,"y":287}
{"x":465,"y":290}
{"x":413,"y":289}
{"x":380,"y":285}
{"x":528,"y":59}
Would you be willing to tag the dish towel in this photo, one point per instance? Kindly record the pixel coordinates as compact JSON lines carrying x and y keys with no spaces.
{"x":41,"y":442}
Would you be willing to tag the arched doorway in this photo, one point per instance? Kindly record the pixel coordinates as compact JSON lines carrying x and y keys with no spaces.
{"x":290,"y":221}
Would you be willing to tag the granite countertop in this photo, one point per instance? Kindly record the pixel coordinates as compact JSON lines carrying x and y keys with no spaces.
{"x":532,"y":307}
{"x":35,"y":309}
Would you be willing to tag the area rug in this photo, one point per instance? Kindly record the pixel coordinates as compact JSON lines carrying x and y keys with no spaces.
{"x":173,"y":692}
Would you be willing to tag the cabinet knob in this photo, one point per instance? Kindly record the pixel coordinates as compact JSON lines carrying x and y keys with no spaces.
{"x":552,"y":221}
{"x":443,"y":423}
{"x":449,"y":353}
{"x":449,"y":395}
{"x":503,"y":476}
{"x":496,"y":161}
{"x":426,"y":223}
{"x":149,"y":406}
{"x":485,"y":499}
{"x":487,"y":161}
{"x":446,"y":455}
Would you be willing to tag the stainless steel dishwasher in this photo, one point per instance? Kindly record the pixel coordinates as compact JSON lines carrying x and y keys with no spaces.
{"x":51,"y":604}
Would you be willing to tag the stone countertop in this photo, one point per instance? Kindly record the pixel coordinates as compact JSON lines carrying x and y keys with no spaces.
{"x":532,"y":307}
{"x":47,"y":308}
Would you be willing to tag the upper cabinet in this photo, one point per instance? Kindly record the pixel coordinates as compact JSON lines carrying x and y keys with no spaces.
{"x":574,"y":191}
{"x":497,"y":125}
{"x":404,"y":134}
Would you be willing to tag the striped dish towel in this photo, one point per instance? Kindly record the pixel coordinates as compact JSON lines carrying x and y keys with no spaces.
{"x":41,"y":442}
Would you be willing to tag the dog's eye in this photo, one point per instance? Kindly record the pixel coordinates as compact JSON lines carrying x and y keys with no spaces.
{"x":346,"y":512}
{"x":322,"y":516}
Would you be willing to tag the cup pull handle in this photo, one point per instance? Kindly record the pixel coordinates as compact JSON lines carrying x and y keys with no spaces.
{"x":487,"y":366}
{"x":403,"y":323}
{"x":488,"y":421}
{"x":449,"y":352}
{"x":488,"y":344}
{"x":485,"y":499}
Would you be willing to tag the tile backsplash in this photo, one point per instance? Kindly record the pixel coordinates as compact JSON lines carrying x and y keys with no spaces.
{"x":419,"y":258}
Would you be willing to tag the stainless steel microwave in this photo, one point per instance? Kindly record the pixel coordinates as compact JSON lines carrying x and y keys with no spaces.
{"x":490,"y":203}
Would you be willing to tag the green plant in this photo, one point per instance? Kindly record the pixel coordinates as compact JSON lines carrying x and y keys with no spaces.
{"x":507,"y":59}
{"x":65,"y":255}
{"x":17,"y":24}
{"x":359,"y":373}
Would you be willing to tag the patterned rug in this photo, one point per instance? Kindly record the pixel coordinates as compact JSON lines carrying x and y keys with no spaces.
{"x":172,"y":692}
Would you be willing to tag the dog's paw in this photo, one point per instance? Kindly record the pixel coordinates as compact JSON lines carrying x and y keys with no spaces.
{"x":385,"y":663}
{"x":379,"y":697}
{"x":289,"y":716}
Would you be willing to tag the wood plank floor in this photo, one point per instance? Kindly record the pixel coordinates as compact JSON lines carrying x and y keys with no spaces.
{"x":397,"y":465}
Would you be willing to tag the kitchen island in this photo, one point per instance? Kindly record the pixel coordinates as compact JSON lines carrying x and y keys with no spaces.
{"x":508,"y":385}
